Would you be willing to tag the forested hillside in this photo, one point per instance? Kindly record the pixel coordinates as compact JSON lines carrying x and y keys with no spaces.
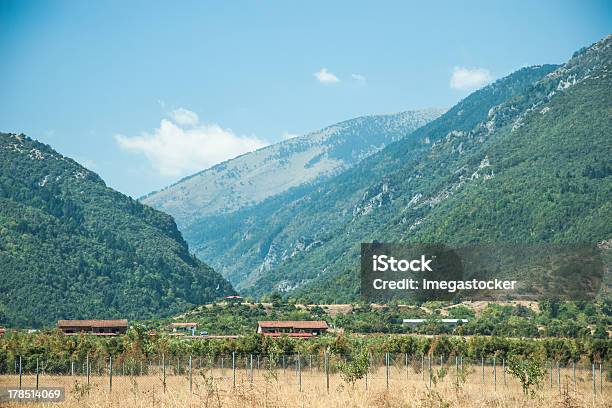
{"x":525,"y":159}
{"x":535,"y":170}
{"x":70,"y":247}
{"x":289,"y":226}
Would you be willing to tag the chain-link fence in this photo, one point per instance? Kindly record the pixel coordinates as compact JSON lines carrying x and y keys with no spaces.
{"x":167,"y":373}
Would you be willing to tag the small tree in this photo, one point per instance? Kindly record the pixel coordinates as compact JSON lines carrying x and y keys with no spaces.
{"x":529,"y":371}
{"x":357,"y":366}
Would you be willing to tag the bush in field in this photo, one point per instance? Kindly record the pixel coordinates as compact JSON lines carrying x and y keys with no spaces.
{"x":529,"y":371}
{"x":356,"y":367}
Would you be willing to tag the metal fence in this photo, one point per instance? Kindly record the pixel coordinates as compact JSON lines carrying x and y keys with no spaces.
{"x":169,"y":373}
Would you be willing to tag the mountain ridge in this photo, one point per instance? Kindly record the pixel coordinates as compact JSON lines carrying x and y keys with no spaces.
{"x":70,"y":247}
{"x":549,"y":117}
{"x":420,"y":188}
{"x":259,"y":240}
{"x":255,"y":176}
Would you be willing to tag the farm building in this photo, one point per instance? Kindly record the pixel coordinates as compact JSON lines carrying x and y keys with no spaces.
{"x":2,"y":331}
{"x":233,"y":298}
{"x":448,"y":322}
{"x":304,"y":329}
{"x":180,"y":328}
{"x":93,"y":327}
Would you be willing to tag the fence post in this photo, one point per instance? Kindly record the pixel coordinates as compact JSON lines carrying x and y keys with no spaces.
{"x":36,"y":372}
{"x":87,"y":368}
{"x":423,"y":367}
{"x":494,"y":374}
{"x":234,"y":367}
{"x":429,"y":364}
{"x":326,"y":363}
{"x":299,"y":368}
{"x":71,"y":367}
{"x":551,"y":375}
{"x":110,"y":373}
{"x":558,"y":377}
{"x":164,"y":370}
{"x":190,"y":375}
{"x":504,"y":369}
{"x":406,"y":356}
{"x":594,"y":390}
{"x":366,"y":374}
{"x":600,"y":380}
{"x":387,"y":368}
{"x":251,"y":376}
{"x":482,"y":368}
{"x":457,"y":369}
{"x":21,"y":372}
{"x":310,"y":362}
{"x":574,"y":373}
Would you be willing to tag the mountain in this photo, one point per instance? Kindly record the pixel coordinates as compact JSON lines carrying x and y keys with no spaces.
{"x":525,"y":159}
{"x":70,"y":247}
{"x":283,"y":229}
{"x":253,"y":177}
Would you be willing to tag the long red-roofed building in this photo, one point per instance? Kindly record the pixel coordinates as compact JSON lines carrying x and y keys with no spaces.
{"x":94,"y":327}
{"x":292,"y":328}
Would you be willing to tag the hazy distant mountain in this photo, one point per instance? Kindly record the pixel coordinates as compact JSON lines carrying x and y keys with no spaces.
{"x":255,"y":176}
{"x":525,"y":159}
{"x":70,"y":247}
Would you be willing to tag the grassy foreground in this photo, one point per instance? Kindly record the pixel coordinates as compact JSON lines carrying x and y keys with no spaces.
{"x":282,"y":389}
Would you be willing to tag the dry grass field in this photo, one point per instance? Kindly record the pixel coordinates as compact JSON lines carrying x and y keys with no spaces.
{"x":282,"y":389}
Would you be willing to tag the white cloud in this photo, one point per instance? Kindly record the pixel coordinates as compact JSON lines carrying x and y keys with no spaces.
{"x":465,"y":79}
{"x":326,"y":77}
{"x":181,"y":145}
{"x":184,"y":117}
{"x":358,"y":77}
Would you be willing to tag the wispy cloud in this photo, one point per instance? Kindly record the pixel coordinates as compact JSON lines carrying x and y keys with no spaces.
{"x":182,"y":145}
{"x":358,"y":77}
{"x":184,"y":117}
{"x":466,"y":79}
{"x":326,"y":77}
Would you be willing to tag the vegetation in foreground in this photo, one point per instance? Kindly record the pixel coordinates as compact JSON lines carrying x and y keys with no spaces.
{"x":513,"y":319}
{"x":58,"y":350}
{"x":214,"y":388}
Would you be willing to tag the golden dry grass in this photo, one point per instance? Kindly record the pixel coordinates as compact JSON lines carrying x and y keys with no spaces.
{"x":406,"y":389}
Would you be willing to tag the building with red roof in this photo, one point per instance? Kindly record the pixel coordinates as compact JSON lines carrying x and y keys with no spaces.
{"x":94,"y":327}
{"x":292,"y":328}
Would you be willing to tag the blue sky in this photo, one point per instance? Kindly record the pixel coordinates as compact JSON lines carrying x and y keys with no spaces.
{"x":147,"y":92}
